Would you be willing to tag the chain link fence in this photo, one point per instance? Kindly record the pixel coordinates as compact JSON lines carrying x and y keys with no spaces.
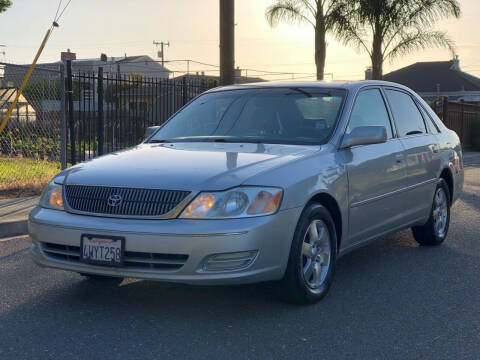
{"x":96,"y":112}
{"x":30,"y":143}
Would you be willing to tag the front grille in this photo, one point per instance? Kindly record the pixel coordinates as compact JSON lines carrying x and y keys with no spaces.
{"x":134,"y":202}
{"x":132,"y":260}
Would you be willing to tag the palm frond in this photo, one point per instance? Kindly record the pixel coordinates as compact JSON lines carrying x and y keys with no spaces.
{"x":4,"y":5}
{"x":347,"y":27}
{"x":289,"y":11}
{"x":427,"y":12}
{"x":419,"y":40}
{"x":307,"y":4}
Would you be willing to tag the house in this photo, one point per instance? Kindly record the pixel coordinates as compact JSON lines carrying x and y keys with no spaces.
{"x":438,"y":78}
{"x":157,"y":102}
{"x":141,"y":65}
{"x":23,"y":111}
{"x":201,"y":77}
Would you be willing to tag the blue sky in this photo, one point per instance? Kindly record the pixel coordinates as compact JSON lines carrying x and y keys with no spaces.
{"x":116,"y":27}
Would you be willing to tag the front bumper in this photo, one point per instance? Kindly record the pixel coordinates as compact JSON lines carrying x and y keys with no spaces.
{"x":269,"y":236}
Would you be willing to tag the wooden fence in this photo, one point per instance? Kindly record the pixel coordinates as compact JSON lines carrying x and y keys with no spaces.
{"x":460,"y":116}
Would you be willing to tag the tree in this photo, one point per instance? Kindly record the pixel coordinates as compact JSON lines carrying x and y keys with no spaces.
{"x":317,"y":13}
{"x":4,"y":5}
{"x":392,"y":27}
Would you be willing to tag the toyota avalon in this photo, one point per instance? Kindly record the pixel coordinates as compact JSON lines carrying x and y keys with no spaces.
{"x":254,"y":183}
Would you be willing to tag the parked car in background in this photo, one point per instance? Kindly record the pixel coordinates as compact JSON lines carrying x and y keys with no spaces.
{"x":257,"y":183}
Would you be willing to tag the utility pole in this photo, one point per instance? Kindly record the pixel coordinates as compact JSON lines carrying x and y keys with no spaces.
{"x":162,"y":44}
{"x":227,"y":41}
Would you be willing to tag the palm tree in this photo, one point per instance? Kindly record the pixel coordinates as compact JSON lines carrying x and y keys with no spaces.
{"x":317,"y":13}
{"x":392,"y":27}
{"x":4,"y":5}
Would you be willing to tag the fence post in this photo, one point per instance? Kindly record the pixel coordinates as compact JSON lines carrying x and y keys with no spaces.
{"x":464,"y":136}
{"x":71,"y":123}
{"x":445,"y":110}
{"x":63,"y":119}
{"x":184,"y":85}
{"x":101,"y":127}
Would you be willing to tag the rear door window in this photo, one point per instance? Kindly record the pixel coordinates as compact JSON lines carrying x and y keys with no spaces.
{"x":406,"y":114}
{"x":432,"y":127}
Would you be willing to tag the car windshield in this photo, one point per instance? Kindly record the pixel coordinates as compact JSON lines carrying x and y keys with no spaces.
{"x":274,"y":115}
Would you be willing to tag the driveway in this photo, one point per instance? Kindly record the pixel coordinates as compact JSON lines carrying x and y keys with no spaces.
{"x":390,"y":300}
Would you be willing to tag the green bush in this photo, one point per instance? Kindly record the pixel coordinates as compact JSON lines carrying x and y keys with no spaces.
{"x":51,"y":90}
{"x":38,"y":140}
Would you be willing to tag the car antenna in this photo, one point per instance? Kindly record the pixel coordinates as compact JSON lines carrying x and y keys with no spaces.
{"x":306,"y":93}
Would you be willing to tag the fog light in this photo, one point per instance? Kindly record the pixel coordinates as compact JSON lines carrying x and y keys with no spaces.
{"x":229,"y":261}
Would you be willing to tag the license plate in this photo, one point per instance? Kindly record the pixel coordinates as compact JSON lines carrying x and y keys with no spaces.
{"x":102,"y":250}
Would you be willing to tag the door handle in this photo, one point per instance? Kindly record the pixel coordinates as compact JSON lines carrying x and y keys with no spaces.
{"x":436,"y":148}
{"x":399,"y":158}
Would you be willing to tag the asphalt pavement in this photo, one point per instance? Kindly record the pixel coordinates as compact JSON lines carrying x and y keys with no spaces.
{"x":390,"y":300}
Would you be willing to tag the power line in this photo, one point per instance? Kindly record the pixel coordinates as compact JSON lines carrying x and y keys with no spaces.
{"x":258,"y":71}
{"x":58,"y":9}
{"x":57,"y":18}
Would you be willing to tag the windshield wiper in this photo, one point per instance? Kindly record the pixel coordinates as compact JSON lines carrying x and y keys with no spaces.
{"x":154,"y":141}
{"x":237,"y":140}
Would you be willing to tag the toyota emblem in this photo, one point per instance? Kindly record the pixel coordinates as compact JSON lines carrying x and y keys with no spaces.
{"x":114,"y":200}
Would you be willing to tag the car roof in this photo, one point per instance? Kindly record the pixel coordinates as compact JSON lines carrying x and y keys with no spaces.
{"x":349,"y":85}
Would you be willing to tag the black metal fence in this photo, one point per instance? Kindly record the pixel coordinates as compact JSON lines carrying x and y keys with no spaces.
{"x":109,"y":112}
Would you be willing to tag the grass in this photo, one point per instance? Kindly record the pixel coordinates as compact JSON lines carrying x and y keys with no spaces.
{"x":25,"y":177}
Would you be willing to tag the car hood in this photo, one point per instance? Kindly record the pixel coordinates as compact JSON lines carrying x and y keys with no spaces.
{"x":184,"y":166}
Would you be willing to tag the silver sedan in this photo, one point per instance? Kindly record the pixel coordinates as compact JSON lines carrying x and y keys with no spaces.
{"x":252,"y":183}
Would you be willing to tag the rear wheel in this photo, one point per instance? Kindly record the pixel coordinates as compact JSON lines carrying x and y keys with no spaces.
{"x":435,"y":230}
{"x":312,"y":259}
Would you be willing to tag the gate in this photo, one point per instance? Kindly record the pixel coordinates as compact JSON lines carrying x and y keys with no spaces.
{"x":109,"y":112}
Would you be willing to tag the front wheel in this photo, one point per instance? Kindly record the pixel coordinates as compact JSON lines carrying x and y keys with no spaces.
{"x":435,"y":230}
{"x":312,"y":259}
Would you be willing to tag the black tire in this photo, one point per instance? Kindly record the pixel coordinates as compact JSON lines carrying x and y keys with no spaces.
{"x":427,"y":234}
{"x":294,"y":287}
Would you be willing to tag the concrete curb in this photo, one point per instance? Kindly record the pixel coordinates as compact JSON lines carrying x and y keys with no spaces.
{"x":14,"y":216}
{"x":13,"y":228}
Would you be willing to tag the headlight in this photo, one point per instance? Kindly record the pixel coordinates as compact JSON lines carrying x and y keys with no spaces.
{"x":235,"y":203}
{"x":52,"y":197}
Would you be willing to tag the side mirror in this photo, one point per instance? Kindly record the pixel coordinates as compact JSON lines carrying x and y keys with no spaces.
{"x":365,"y":135}
{"x":150,"y":130}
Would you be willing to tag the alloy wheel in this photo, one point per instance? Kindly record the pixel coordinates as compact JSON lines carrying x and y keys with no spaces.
{"x":316,"y":254}
{"x":440,"y":212}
